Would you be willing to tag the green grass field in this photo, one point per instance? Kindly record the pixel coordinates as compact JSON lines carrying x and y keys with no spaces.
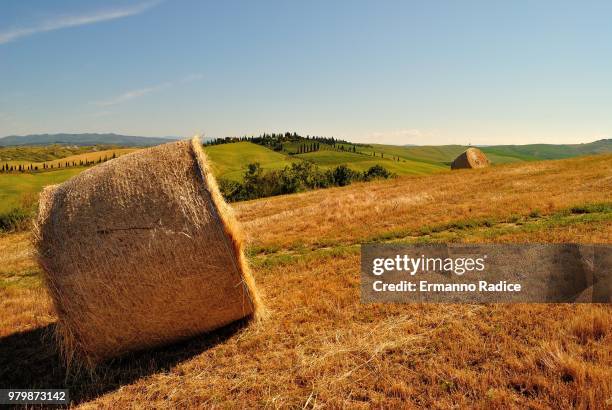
{"x":229,"y":161}
{"x":14,"y":186}
{"x":534,"y":152}
{"x":361,"y":162}
{"x":441,"y":155}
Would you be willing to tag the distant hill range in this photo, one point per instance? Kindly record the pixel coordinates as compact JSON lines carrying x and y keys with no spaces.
{"x":83,"y":140}
{"x":498,"y":154}
{"x":551,"y":151}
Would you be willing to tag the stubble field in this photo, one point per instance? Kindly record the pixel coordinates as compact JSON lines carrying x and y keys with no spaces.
{"x":320,"y":347}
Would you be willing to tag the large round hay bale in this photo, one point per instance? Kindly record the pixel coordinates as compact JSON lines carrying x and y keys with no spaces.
{"x":471,"y":158}
{"x":142,"y":251}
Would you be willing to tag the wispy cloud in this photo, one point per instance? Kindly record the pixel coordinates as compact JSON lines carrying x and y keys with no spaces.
{"x":131,"y":94}
{"x":60,"y":22}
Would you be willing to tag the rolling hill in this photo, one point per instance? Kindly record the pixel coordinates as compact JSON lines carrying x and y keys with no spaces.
{"x":497,"y":154}
{"x":400,"y":160}
{"x":42,"y":153}
{"x":361,"y":162}
{"x":229,"y":161}
{"x":550,"y":151}
{"x":91,"y":156}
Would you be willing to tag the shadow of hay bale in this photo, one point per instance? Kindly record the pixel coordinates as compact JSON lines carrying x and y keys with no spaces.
{"x":31,"y":359}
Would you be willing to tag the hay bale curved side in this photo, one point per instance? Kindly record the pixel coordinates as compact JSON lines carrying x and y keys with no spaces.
{"x":232,"y":228}
{"x":141,"y":251}
{"x":470,"y":158}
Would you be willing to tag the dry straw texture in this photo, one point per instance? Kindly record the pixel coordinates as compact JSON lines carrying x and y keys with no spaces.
{"x":142,"y":251}
{"x":471,"y":158}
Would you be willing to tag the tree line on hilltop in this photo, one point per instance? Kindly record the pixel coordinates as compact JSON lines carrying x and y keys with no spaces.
{"x":6,"y":167}
{"x":305,"y":145}
{"x":275,"y":141}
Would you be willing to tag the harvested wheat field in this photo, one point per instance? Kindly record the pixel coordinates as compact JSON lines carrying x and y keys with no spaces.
{"x":322,"y":348}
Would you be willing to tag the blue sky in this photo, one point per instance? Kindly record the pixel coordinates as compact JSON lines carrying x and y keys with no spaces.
{"x":402,"y":72}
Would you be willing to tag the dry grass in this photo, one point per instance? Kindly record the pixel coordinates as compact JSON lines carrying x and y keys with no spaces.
{"x":322,"y":348}
{"x":17,"y":254}
{"x":362,"y":211}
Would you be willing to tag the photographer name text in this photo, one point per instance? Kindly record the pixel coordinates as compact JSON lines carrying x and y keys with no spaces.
{"x":422,"y":264}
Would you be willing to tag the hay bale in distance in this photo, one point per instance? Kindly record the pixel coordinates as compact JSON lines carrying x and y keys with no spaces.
{"x":471,"y":158}
{"x":142,"y":251}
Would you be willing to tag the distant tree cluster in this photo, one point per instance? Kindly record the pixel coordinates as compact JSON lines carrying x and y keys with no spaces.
{"x":350,"y":148}
{"x":18,"y":168}
{"x":298,"y":177}
{"x":312,"y":147}
{"x":7,"y":168}
{"x":392,"y":157}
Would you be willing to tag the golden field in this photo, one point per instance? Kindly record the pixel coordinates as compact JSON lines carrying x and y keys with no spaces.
{"x":320,"y":347}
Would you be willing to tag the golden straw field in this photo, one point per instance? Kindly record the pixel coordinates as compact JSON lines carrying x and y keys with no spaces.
{"x":321,"y":347}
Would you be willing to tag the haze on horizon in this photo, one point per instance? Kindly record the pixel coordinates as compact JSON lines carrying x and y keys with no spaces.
{"x":398,"y":72}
